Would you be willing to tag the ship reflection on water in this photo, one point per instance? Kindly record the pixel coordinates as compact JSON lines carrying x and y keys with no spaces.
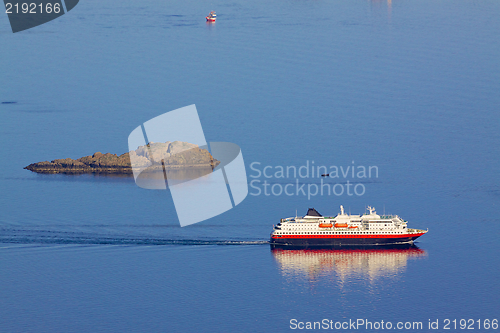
{"x":370,"y":263}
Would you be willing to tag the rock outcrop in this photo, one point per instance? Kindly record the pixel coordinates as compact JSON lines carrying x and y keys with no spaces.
{"x":155,"y":155}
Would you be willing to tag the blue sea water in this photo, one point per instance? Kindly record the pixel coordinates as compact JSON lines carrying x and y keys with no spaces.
{"x":410,"y":87}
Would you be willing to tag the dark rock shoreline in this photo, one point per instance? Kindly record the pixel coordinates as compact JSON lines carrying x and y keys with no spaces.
{"x":172,"y":155}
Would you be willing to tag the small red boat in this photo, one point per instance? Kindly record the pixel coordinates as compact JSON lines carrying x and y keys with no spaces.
{"x":211,"y":17}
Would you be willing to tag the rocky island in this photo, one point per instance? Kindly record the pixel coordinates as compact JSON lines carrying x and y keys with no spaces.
{"x":153,"y":156}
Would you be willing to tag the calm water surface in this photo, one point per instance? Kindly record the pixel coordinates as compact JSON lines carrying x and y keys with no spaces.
{"x":408,"y":86}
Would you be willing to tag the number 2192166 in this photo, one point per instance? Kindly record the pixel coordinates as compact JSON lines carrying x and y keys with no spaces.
{"x":470,"y":324}
{"x":32,"y":8}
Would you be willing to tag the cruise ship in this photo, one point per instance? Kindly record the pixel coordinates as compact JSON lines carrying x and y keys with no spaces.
{"x":343,"y":230}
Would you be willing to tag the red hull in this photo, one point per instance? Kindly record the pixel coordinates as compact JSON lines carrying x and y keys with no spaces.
{"x":342,"y":240}
{"x":347,"y":236}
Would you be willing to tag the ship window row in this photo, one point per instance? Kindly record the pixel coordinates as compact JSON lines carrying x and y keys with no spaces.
{"x":340,"y":233}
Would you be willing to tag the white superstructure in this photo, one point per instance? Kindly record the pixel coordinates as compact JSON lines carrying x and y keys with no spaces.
{"x":314,"y":229}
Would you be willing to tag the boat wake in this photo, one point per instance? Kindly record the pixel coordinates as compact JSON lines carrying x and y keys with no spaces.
{"x":124,"y":241}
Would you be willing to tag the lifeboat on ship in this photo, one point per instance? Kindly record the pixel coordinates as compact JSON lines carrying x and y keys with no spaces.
{"x":340,"y":225}
{"x":211,"y":17}
{"x":325,"y":225}
{"x":353,"y":227}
